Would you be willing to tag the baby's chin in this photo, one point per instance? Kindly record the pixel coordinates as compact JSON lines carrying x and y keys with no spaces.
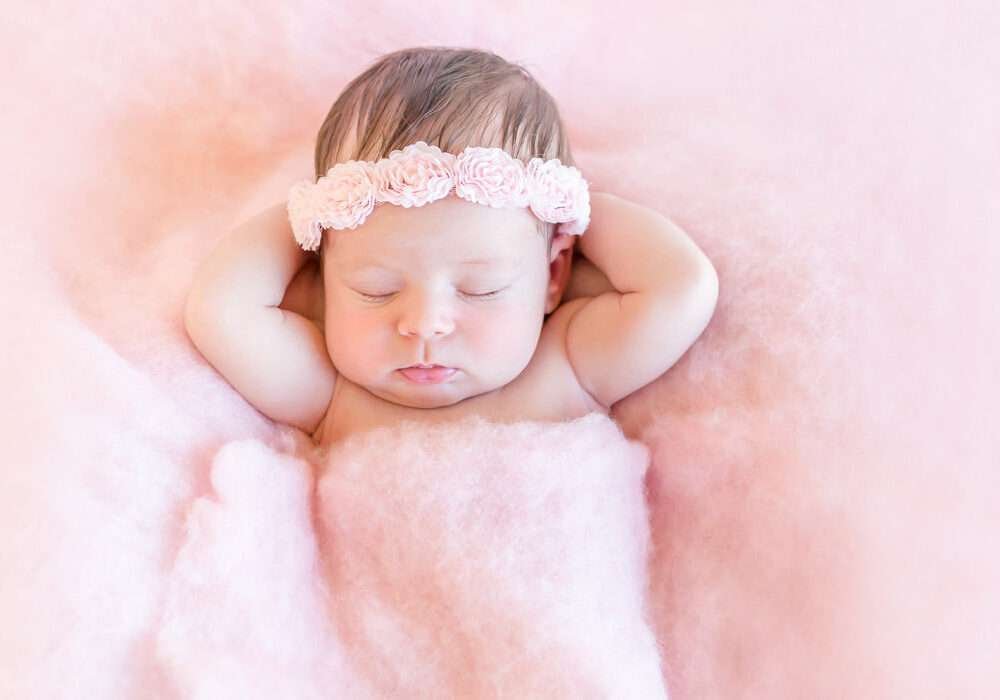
{"x":425,"y":395}
{"x":424,"y":402}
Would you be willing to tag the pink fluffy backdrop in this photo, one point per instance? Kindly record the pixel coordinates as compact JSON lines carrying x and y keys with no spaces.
{"x":825,"y":479}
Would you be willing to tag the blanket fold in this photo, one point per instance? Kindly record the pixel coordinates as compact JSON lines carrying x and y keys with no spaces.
{"x":471,"y":559}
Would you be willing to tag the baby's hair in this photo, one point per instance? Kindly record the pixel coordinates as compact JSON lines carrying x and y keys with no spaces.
{"x":450,"y":98}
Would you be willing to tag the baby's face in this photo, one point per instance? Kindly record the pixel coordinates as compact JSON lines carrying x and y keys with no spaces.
{"x":450,"y":283}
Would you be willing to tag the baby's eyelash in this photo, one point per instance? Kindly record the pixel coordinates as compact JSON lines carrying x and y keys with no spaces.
{"x":369,"y":297}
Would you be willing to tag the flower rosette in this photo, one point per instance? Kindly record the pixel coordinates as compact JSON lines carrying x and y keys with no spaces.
{"x":415,"y":176}
{"x":346,"y":195}
{"x":303,"y":215}
{"x":341,"y":199}
{"x":491,"y":176}
{"x":559,"y":194}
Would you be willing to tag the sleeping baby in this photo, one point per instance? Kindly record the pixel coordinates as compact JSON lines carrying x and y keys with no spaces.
{"x":478,"y":523}
{"x":428,"y":272}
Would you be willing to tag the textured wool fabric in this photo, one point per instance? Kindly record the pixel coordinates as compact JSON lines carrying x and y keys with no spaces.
{"x":466,"y":560}
{"x":824,"y":473}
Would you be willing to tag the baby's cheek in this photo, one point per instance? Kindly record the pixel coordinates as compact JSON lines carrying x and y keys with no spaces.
{"x":509,"y":330}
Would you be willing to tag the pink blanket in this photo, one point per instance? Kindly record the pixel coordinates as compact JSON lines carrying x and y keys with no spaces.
{"x":469,"y":560}
{"x":823,"y":476}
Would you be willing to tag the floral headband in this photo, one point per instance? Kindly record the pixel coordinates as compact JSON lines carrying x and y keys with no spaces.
{"x":420,"y":174}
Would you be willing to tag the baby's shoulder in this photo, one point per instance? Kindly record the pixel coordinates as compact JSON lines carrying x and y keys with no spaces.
{"x":550,"y":373}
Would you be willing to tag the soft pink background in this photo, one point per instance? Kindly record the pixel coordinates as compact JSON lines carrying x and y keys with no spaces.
{"x":825,"y":477}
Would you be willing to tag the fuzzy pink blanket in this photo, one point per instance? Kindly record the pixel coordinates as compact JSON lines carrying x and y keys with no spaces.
{"x":824,"y":463}
{"x":467,"y":561}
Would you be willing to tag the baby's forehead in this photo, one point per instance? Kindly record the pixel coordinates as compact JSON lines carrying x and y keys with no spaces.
{"x":414,"y":258}
{"x":413,"y":249}
{"x":450,"y":218}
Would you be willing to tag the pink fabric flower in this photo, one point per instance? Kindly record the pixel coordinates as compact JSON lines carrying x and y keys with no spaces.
{"x":345,"y":195}
{"x":490,"y":176}
{"x":559,"y":194}
{"x":302,"y":208}
{"x":342,"y":199}
{"x":415,"y":176}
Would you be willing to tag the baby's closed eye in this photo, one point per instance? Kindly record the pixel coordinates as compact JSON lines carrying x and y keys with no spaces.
{"x":481,"y":295}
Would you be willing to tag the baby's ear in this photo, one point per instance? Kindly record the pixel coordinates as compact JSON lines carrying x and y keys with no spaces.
{"x":561,"y":242}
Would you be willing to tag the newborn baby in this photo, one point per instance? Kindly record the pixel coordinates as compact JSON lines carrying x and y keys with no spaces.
{"x":451,"y":306}
{"x":426,"y":277}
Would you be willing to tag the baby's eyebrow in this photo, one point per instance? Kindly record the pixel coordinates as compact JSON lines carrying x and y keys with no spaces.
{"x":377,"y":265}
{"x":484,"y":261}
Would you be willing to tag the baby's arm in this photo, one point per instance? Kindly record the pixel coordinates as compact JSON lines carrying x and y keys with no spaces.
{"x":275,"y":357}
{"x":665,"y":293}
